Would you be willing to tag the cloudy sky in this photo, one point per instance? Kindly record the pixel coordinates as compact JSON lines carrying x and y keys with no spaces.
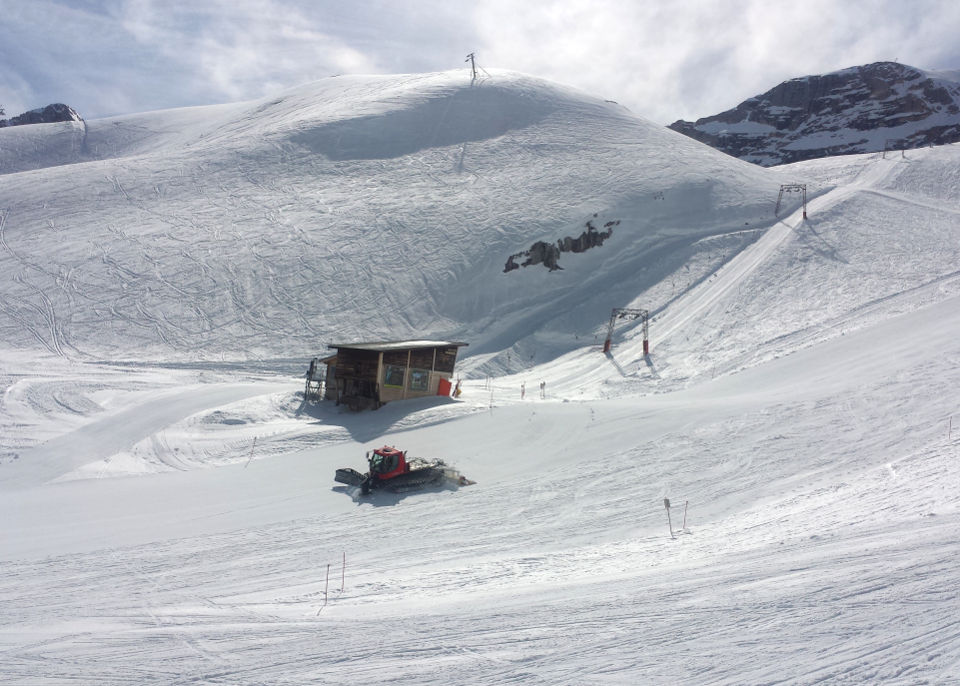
{"x":663,"y":59}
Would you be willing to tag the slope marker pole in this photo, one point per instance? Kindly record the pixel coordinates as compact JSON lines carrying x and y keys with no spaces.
{"x":325,"y":589}
{"x":666,"y":504}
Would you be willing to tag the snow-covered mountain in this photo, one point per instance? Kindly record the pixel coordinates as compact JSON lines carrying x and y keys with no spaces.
{"x":172,"y":516}
{"x":885,"y":105}
{"x":51,"y":114}
{"x":354,"y":208}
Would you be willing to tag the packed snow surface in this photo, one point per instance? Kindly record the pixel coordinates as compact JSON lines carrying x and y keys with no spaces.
{"x":170,"y":514}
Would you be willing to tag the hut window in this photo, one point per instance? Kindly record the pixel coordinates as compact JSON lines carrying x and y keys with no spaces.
{"x":393,"y":376}
{"x":419,"y":380}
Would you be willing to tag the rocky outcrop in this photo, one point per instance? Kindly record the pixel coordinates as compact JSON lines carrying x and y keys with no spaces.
{"x":548,"y":254}
{"x":875,"y":107}
{"x":44,"y":115}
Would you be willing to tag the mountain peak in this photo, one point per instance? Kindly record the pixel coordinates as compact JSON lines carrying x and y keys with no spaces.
{"x":50,"y":114}
{"x":859,"y":109}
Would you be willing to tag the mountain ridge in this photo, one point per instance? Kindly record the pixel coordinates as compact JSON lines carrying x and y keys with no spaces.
{"x":56,"y":112}
{"x":869,"y":108}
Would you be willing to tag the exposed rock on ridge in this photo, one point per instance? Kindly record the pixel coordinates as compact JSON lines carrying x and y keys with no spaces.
{"x":44,"y":115}
{"x":548,"y":254}
{"x":860,"y":109}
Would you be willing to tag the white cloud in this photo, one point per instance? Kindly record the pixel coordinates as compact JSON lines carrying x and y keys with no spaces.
{"x":668,"y":60}
{"x":662,"y":59}
{"x":241,"y":50}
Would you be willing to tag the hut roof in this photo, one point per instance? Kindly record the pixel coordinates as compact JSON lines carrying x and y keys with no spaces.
{"x":383,"y":346}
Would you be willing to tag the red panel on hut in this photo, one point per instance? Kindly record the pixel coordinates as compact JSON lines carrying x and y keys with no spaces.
{"x":443,"y":387}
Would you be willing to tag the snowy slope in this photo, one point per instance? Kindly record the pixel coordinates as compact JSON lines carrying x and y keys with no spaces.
{"x":362,"y":207}
{"x":171,"y":523}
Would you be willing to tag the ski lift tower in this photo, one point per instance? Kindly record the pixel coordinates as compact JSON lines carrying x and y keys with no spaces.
{"x":792,"y":188}
{"x":629,"y":314}
{"x":471,"y":58}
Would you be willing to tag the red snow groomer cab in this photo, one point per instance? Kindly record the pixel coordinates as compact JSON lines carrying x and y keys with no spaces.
{"x":387,"y":462}
{"x":390,"y":469}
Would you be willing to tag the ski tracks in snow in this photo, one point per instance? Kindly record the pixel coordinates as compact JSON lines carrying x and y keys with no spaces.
{"x":17,"y":309}
{"x":702,"y":298}
{"x":107,"y":436}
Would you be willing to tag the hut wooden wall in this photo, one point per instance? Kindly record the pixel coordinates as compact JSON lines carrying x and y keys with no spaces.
{"x":357,"y":364}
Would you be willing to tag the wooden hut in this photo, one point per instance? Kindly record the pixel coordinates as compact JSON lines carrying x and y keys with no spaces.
{"x":367,"y":375}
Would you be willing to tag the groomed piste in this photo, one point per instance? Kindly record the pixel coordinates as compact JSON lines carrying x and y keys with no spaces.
{"x":169,"y":508}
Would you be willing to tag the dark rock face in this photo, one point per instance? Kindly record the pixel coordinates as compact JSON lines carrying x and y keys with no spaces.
{"x":878,"y":106}
{"x":548,"y":254}
{"x":540,"y":252}
{"x":44,"y":115}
